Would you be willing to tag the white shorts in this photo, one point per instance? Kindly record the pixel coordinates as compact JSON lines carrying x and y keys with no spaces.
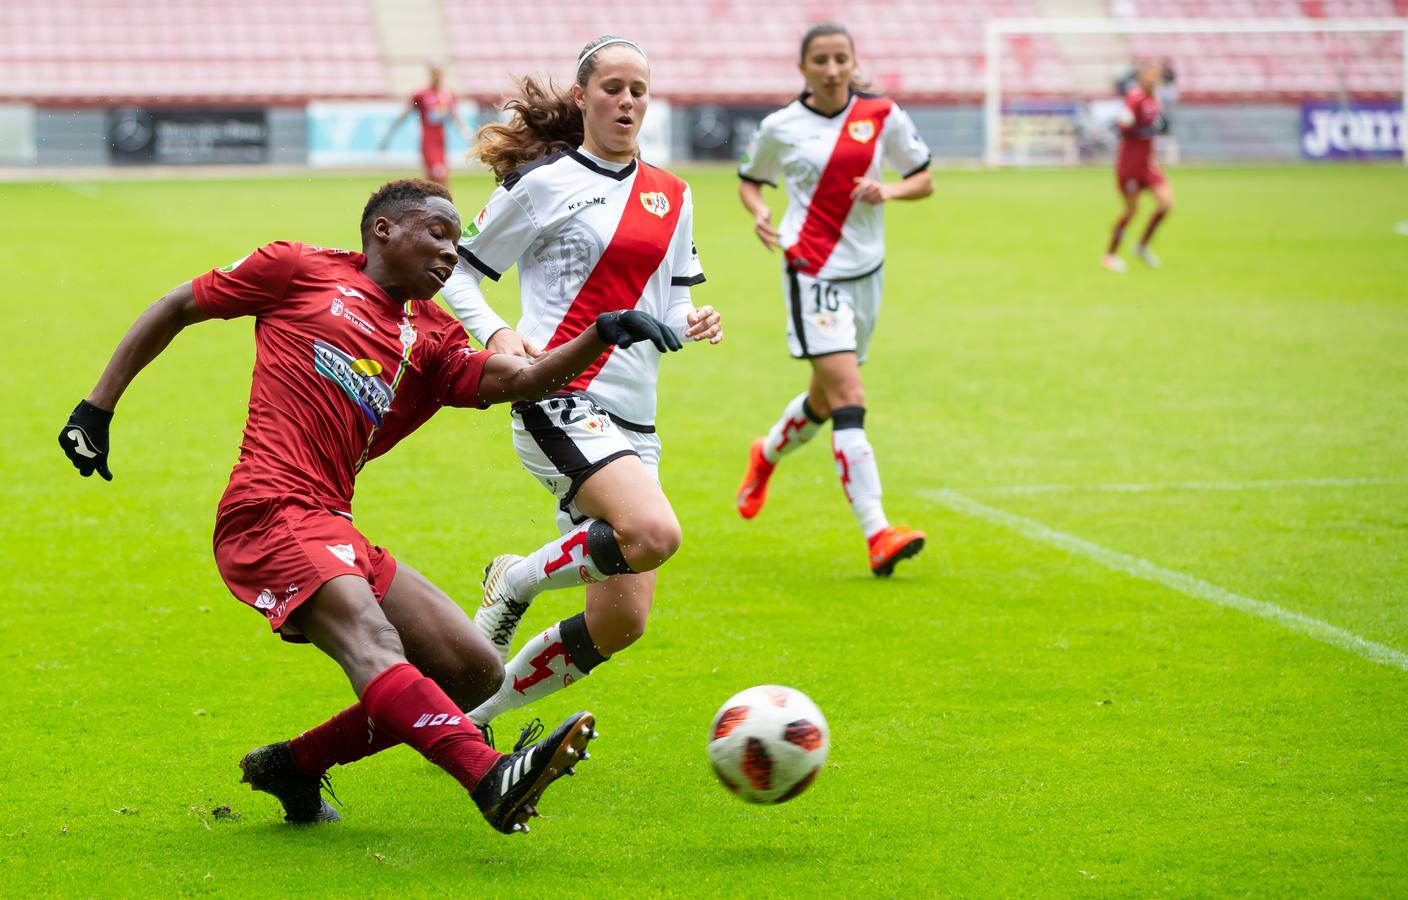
{"x":564,"y":439}
{"x":826,"y":317}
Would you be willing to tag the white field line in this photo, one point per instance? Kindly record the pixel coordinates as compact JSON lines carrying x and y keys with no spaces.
{"x":1178,"y":581}
{"x":1152,"y":487}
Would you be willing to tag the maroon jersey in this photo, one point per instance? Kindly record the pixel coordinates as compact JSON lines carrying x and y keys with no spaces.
{"x":341,"y":371}
{"x":1137,"y":151}
{"x":434,"y":107}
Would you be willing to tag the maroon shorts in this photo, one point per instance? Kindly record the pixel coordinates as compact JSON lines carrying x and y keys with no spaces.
{"x":275,"y":552}
{"x":434,"y":158}
{"x":1133,"y":179}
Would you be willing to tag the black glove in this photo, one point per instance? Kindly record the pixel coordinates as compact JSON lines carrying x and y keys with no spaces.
{"x":85,"y":439}
{"x":626,"y":326}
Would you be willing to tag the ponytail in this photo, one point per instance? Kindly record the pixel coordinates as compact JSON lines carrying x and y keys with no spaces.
{"x":545,"y":120}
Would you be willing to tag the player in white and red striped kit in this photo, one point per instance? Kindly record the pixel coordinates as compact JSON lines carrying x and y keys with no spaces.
{"x":830,"y":146}
{"x":591,"y":228}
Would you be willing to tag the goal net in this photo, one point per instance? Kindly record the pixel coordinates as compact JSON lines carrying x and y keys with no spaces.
{"x":1232,"y":89}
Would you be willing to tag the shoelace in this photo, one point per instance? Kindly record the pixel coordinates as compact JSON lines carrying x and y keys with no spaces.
{"x":509,"y":623}
{"x":488,"y":731}
{"x":530,"y":733}
{"x":325,"y":783}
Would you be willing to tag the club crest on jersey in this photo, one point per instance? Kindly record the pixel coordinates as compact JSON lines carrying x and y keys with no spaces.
{"x":655,"y":203}
{"x":861,"y":130}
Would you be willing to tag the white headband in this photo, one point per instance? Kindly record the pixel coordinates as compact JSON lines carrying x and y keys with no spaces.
{"x":588,"y":55}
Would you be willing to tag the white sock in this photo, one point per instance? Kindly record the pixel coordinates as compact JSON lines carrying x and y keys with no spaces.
{"x":584,"y":555}
{"x":855,"y":466}
{"x":798,"y":425}
{"x":562,"y":655}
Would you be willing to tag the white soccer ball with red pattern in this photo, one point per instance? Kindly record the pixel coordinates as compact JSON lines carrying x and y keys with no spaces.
{"x":768,"y":743}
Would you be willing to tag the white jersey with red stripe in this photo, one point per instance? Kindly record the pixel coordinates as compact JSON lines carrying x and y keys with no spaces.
{"x":825,"y":233}
{"x":588,"y":236}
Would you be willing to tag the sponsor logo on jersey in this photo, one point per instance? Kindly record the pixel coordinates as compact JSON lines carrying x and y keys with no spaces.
{"x":234,"y":265}
{"x":344,"y":552}
{"x":655,"y":203}
{"x":593,"y":201}
{"x":339,"y":310}
{"x":265,"y":600}
{"x":476,"y":225}
{"x":861,"y":130}
{"x":351,"y":292}
{"x":358,"y":378}
{"x":433,"y":720}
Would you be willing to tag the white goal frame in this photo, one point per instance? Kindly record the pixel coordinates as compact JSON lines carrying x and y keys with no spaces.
{"x":996,"y":29}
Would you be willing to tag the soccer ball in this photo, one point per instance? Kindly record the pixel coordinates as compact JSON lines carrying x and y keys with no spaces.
{"x":768,"y":743}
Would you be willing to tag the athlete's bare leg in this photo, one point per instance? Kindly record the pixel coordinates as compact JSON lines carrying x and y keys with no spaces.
{"x":1163,"y":194}
{"x":835,"y":383}
{"x":343,"y":620}
{"x":440,"y":640}
{"x":624,"y":493}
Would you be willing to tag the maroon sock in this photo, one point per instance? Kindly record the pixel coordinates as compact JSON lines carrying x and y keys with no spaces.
{"x":1118,"y":234}
{"x":345,"y":738}
{"x":1149,"y":229}
{"x":412,"y":708}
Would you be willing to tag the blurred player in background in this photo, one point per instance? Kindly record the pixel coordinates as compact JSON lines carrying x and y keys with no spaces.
{"x":830,"y":146}
{"x":351,"y":356}
{"x":1136,"y":169}
{"x":436,"y":105}
{"x":592,"y":228}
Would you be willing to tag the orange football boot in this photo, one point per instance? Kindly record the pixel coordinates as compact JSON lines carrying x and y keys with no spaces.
{"x":754,"y":489}
{"x":889,"y":546}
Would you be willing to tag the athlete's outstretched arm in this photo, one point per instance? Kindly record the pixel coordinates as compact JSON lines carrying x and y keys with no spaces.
{"x":84,"y":438}
{"x":508,"y":378}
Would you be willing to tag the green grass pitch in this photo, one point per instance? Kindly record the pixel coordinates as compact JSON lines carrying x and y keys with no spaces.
{"x":1010,"y":716}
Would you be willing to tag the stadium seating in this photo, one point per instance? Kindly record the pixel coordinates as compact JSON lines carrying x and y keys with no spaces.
{"x":727,"y":49}
{"x":188,"y":50}
{"x":1275,"y":66}
{"x":263,"y":51}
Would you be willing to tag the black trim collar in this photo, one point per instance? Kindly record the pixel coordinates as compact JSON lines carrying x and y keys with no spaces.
{"x":851,"y":95}
{"x":622,"y":175}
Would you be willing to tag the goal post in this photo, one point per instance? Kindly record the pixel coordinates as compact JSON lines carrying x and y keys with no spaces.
{"x":1023,"y":124}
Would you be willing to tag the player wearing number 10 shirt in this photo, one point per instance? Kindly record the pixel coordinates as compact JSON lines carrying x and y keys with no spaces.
{"x":591,"y":227}
{"x":830,"y":146}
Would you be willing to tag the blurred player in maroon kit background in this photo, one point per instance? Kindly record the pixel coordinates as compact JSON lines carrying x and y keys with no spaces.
{"x":1136,"y":169}
{"x":436,"y":105}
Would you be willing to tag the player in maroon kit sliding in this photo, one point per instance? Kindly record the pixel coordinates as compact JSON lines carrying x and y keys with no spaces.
{"x":351,"y":356}
{"x":1136,"y":169}
{"x":436,"y":106}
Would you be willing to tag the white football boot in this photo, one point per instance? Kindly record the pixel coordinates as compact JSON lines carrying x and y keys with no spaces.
{"x":500,"y":612}
{"x":1113,"y":263}
{"x":1147,"y":255}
